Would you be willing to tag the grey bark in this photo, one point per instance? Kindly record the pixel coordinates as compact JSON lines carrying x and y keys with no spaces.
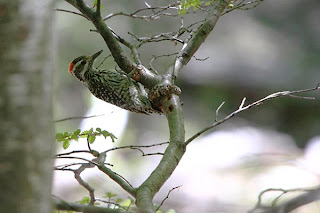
{"x":26,"y":126}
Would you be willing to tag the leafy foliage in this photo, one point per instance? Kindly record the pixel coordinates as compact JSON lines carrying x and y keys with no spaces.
{"x":90,"y":134}
{"x":185,"y":5}
{"x":194,"y":4}
{"x":95,"y":4}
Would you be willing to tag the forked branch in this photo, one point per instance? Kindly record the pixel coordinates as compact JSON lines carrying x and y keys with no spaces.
{"x":256,"y":103}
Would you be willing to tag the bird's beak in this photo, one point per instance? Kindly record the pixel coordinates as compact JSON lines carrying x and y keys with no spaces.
{"x":94,"y":56}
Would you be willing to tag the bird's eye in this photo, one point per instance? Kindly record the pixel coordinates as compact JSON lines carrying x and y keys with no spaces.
{"x":83,"y":62}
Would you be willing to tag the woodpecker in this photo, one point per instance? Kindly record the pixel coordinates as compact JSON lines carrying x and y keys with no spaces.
{"x":114,"y":87}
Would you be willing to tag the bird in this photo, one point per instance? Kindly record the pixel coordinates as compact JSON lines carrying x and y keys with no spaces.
{"x":114,"y":87}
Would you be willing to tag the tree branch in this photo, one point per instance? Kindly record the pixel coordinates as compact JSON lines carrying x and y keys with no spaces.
{"x":83,"y":183}
{"x":162,"y":202}
{"x":171,"y":158}
{"x":309,"y":196}
{"x":294,"y":203}
{"x":95,"y":17}
{"x":244,"y":108}
{"x":195,"y":40}
{"x":63,"y":205}
{"x":117,"y":178}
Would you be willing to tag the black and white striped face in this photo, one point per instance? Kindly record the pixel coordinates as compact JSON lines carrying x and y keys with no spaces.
{"x":79,"y":66}
{"x":82,"y":64}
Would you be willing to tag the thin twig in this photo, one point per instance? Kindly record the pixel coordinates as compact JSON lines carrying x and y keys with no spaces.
{"x":167,"y":196}
{"x":62,"y":167}
{"x":153,"y":16}
{"x":159,"y":56}
{"x":244,"y":6}
{"x":217,"y":111}
{"x":135,"y":147}
{"x":77,"y":117}
{"x":78,"y":158}
{"x":259,"y":204}
{"x":72,"y":152}
{"x":105,"y":58}
{"x":243,"y":108}
{"x":200,"y":59}
{"x":88,"y":143}
{"x":72,"y":12}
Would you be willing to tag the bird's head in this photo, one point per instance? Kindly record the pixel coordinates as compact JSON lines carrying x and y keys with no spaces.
{"x":82,"y":64}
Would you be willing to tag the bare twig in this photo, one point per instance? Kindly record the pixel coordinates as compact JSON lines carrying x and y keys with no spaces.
{"x":72,"y":152}
{"x":78,"y":158}
{"x":78,"y":117}
{"x":311,"y":194}
{"x":135,"y":147}
{"x":200,"y":59}
{"x":159,"y":56}
{"x":72,"y":12}
{"x":197,"y":37}
{"x":64,"y":167}
{"x":162,"y":202}
{"x":105,"y":58}
{"x":243,"y":108}
{"x":169,"y":36}
{"x":157,"y":12}
{"x":244,"y":6}
{"x":109,"y":202}
{"x":217,"y":111}
{"x":242,"y":102}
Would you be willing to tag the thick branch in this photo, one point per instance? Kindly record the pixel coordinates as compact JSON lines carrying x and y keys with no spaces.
{"x":83,"y":183}
{"x":63,"y":205}
{"x":172,"y":156}
{"x":94,"y":16}
{"x":192,"y":44}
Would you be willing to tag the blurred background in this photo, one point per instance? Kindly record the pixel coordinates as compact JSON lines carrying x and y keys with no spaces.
{"x":254,"y":53}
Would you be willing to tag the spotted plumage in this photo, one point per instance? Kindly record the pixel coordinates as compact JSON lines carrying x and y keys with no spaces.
{"x":113,"y":87}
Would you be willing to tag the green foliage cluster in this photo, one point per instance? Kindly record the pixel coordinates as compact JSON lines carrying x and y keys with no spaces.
{"x":90,"y":134}
{"x":113,"y":202}
{"x":195,"y":4}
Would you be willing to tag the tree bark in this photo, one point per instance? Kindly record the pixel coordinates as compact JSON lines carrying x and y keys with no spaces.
{"x":26,"y":126}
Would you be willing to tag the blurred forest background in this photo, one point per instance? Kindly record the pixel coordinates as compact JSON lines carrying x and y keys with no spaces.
{"x":274,"y":47}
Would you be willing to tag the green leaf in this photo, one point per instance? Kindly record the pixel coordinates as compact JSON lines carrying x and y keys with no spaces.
{"x":98,"y":129}
{"x":108,"y":134}
{"x":66,"y":144}
{"x":74,"y":137}
{"x":126,"y":203}
{"x":85,"y":200}
{"x":91,"y":138}
{"x":118,"y":200}
{"x":77,"y":132}
{"x":59,"y":137}
{"x":110,"y":195}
